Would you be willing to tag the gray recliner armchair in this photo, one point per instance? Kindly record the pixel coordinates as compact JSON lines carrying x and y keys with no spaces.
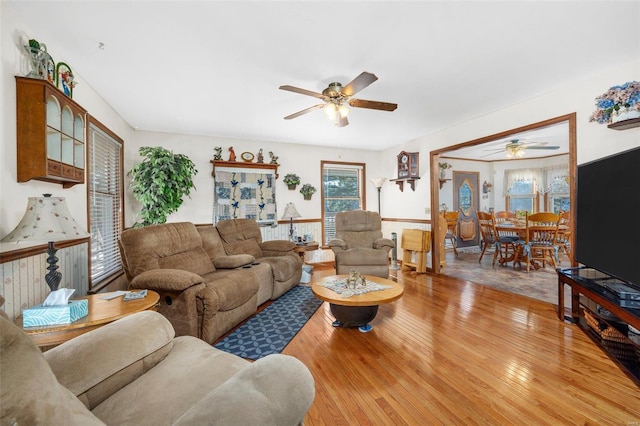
{"x":359,"y":245}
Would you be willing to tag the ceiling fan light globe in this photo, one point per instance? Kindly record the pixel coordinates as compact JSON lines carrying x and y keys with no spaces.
{"x":330,"y":111}
{"x":343,"y":110}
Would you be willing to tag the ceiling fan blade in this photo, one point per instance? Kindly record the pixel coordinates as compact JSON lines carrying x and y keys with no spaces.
{"x":361,"y":103}
{"x":304,"y":111}
{"x":541,"y":147}
{"x":494,"y":149}
{"x":359,"y":83}
{"x":341,"y":121}
{"x":302,"y":91}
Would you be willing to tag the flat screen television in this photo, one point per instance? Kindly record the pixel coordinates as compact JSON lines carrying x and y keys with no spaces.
{"x":608,"y":216}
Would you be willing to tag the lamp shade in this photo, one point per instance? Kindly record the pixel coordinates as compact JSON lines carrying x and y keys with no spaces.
{"x":290,"y":212}
{"x":46,"y":219}
{"x":378,"y":181}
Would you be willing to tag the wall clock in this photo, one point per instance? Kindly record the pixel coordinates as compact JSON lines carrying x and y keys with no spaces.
{"x":408,"y":165}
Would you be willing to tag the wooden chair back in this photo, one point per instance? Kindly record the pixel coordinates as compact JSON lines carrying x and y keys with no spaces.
{"x":503,"y":216}
{"x":487,"y":230}
{"x":541,"y":238}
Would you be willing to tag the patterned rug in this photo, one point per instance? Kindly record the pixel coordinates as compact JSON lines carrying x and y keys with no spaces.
{"x":272,"y":328}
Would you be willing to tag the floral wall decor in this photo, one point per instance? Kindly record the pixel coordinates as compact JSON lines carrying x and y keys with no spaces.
{"x":618,"y":103}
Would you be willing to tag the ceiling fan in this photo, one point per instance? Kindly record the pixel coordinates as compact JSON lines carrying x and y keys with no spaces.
{"x":336,"y":97}
{"x":516,"y":148}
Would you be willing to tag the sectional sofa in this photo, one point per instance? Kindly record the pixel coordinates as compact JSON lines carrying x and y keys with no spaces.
{"x":210,"y":278}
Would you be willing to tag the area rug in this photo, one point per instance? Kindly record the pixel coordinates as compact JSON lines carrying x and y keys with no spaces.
{"x":272,"y":328}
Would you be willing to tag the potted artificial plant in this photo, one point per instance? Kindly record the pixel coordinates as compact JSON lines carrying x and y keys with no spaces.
{"x":307,"y":190}
{"x":160,"y":182}
{"x":292,"y":180}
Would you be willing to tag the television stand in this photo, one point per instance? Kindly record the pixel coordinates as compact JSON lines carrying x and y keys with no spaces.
{"x":598,"y":312}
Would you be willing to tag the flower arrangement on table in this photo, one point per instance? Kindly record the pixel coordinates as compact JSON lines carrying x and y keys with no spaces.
{"x":307,"y":190}
{"x":291,"y":179}
{"x":617,"y":100}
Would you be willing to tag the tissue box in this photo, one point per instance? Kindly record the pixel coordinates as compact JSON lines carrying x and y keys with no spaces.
{"x":38,"y":316}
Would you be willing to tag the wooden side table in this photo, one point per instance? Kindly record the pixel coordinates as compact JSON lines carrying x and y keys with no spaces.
{"x":303,"y":248}
{"x":101,"y":312}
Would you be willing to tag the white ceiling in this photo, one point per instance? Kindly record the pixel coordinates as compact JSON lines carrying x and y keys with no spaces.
{"x":214,"y":68}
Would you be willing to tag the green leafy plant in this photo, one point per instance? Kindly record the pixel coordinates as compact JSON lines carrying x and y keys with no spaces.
{"x":445,"y":166}
{"x":160,"y":182}
{"x":307,"y":190}
{"x":291,"y":179}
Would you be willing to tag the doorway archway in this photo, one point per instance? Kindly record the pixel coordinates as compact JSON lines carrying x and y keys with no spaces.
{"x":568,"y":119}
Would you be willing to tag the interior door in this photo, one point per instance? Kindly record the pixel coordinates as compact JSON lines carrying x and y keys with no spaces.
{"x":466,"y":199}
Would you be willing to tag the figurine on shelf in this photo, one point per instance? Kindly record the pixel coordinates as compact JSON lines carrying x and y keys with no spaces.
{"x":64,"y":79}
{"x":274,"y":159}
{"x":232,"y":154}
{"x":260,"y":157}
{"x":218,"y":153}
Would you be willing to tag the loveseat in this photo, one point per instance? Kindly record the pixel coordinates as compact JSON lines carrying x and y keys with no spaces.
{"x":210,"y":278}
{"x":135,"y":372}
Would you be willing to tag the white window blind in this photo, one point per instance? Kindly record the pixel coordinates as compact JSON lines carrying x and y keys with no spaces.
{"x":342,"y":189}
{"x":105,"y":203}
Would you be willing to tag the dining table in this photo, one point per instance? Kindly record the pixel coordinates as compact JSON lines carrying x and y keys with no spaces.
{"x":518,"y":228}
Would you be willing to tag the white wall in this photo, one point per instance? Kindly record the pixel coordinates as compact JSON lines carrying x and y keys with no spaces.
{"x":14,"y":32}
{"x":303,"y":160}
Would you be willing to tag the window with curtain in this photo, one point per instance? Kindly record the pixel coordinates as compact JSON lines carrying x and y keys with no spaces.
{"x":105,"y":194}
{"x":524,"y":186}
{"x":342,"y":190}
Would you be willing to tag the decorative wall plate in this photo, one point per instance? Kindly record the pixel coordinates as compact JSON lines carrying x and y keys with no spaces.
{"x":247,"y":156}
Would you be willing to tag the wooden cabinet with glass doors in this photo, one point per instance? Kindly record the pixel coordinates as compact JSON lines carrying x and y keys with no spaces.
{"x":50,"y":134}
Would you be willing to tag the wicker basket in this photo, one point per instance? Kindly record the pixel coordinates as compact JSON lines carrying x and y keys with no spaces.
{"x":613,"y":340}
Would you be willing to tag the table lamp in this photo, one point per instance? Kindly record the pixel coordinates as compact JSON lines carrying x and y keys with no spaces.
{"x":290,"y":212}
{"x":47,"y":219}
{"x":378,"y":182}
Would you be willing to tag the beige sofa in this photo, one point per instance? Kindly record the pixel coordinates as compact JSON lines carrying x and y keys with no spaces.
{"x":134,"y":372}
{"x":210,"y":278}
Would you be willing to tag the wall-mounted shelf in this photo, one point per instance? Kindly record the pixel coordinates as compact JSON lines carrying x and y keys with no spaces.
{"x":244,"y":165}
{"x":442,"y":181}
{"x":411,"y":182}
{"x":626,"y":124}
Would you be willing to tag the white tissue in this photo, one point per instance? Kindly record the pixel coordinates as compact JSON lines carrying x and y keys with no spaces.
{"x":59,"y":297}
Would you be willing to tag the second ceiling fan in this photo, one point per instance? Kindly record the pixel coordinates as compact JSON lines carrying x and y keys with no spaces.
{"x":516,"y":148}
{"x":336,"y":98}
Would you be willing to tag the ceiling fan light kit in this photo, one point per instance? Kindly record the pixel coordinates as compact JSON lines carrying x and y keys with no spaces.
{"x":516,"y":148}
{"x":337,"y":97}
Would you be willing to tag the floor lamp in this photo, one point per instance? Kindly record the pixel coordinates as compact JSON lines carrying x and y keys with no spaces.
{"x":47,"y":219}
{"x":378,"y":182}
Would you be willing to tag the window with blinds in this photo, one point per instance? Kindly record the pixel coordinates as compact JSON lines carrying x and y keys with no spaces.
{"x":342,"y":189}
{"x":105,"y":194}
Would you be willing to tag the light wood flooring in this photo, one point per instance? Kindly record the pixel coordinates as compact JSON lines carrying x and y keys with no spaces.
{"x":454,"y":352}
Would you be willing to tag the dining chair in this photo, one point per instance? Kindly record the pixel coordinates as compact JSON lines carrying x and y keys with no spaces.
{"x":452,"y":229}
{"x":503,"y":216}
{"x":487,"y":231}
{"x":505,"y":240}
{"x":564,"y":233}
{"x":540,"y":244}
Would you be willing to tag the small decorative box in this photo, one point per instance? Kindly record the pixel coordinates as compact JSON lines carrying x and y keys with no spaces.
{"x":38,"y":316}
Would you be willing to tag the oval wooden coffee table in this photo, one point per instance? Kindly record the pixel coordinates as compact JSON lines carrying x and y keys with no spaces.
{"x":357,"y":310}
{"x":101,"y":312}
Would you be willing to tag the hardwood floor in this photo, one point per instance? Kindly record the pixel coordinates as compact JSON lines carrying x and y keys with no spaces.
{"x":454,"y":352}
